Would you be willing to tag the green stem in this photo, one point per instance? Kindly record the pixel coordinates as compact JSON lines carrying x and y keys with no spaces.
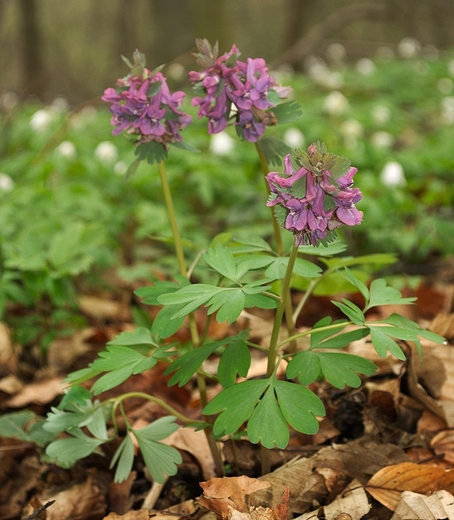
{"x":118,"y":400}
{"x":279,"y":248}
{"x":192,"y":322}
{"x":333,"y":326}
{"x":285,"y":294}
{"x":172,"y":218}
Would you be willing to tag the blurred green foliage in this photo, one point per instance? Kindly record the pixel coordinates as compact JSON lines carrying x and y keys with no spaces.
{"x":67,"y":213}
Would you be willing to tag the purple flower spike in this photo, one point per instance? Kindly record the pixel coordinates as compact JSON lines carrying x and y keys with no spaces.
{"x":142,"y":105}
{"x":226,"y":81}
{"x":315,"y":196}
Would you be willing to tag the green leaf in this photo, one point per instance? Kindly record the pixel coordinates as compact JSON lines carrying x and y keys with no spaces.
{"x":236,"y":359}
{"x":152,"y":152}
{"x":120,"y":363}
{"x":66,"y":452}
{"x":332,"y":249}
{"x":267,"y":424}
{"x":97,"y":425}
{"x":273,"y":149}
{"x":235,"y":405}
{"x":150,"y":293}
{"x":252,"y":243}
{"x":342,"y":340}
{"x":352,"y":311}
{"x":160,"y":459}
{"x":338,"y":368}
{"x":304,"y":366}
{"x":165,"y":324}
{"x":186,"y":365}
{"x":183,"y":145}
{"x":306,"y":269}
{"x":382,"y":342}
{"x":77,"y":398}
{"x":194,"y":295}
{"x":341,"y":369}
{"x":222,"y":261}
{"x":25,"y":426}
{"x":405,"y":323}
{"x":139,"y":336}
{"x":125,"y":458}
{"x":259,"y":300}
{"x":287,"y":112}
{"x":299,"y":406}
{"x":60,"y":421}
{"x":346,"y":273}
{"x":383,"y":294}
{"x":229,"y":303}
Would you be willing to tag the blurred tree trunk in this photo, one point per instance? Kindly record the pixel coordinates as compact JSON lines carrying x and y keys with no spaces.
{"x":211,"y":21}
{"x":300,"y":17}
{"x":174,"y":33}
{"x":31,"y":51}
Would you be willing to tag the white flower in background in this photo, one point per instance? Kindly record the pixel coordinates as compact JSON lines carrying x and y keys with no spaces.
{"x":319,"y":72}
{"x":451,"y":67}
{"x":351,"y":131}
{"x":67,"y":149}
{"x":60,"y":104}
{"x":336,"y":103}
{"x":176,"y":71}
{"x":6,"y":183}
{"x":120,"y":168}
{"x":365,"y":66}
{"x":382,"y":139}
{"x":352,"y":128}
{"x":106,"y":152}
{"x":10,"y":100}
{"x":393,"y":174}
{"x":294,"y":138}
{"x":385,"y":53}
{"x":447,"y":110}
{"x":41,"y":120}
{"x":80,"y":118}
{"x":381,"y":115}
{"x":221,"y":143}
{"x":445,"y":85}
{"x":408,"y":47}
{"x":336,"y":52}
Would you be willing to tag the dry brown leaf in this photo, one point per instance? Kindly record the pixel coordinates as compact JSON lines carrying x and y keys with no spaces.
{"x":120,"y":498}
{"x":443,"y":324}
{"x":195,"y":443}
{"x":8,"y":358}
{"x":103,"y":308}
{"x":40,"y":393}
{"x":141,"y":514}
{"x":83,"y":501}
{"x":359,"y":459}
{"x":352,"y":503}
{"x":387,"y":485}
{"x":445,"y":353}
{"x":443,"y":444}
{"x":221,"y":495}
{"x":414,"y":506}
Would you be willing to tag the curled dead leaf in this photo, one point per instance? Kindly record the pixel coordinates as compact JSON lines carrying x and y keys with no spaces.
{"x":414,"y":506}
{"x":222,"y":495}
{"x":387,"y":485}
{"x":443,"y":444}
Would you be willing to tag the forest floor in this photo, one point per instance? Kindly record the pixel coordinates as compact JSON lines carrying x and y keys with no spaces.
{"x":385,"y":450}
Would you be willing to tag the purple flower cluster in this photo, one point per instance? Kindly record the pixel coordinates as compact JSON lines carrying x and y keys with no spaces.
{"x":143,"y":106}
{"x":226,"y":81}
{"x":314,"y":203}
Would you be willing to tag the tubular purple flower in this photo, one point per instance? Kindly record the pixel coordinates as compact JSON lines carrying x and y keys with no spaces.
{"x":229,"y":81}
{"x":141,"y":106}
{"x":312,"y":202}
